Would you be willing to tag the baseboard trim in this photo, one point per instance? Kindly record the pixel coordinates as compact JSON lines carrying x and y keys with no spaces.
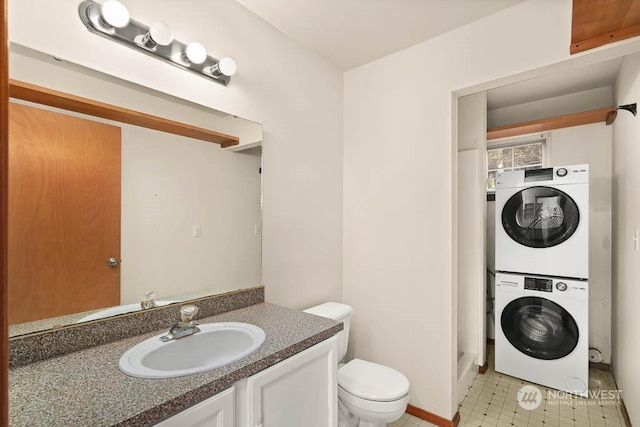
{"x":625,"y":414}
{"x":482,"y":369}
{"x":433,"y":418}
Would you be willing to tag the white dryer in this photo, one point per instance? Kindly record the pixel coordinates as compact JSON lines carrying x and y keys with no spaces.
{"x":542,"y":221}
{"x":542,"y":331}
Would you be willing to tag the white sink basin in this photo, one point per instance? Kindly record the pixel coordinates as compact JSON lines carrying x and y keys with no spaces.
{"x":119,"y":309}
{"x":216,"y":345}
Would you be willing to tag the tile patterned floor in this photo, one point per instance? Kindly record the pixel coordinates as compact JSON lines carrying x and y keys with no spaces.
{"x":491,"y":401}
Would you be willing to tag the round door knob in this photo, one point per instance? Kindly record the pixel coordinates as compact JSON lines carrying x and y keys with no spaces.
{"x":113,"y":262}
{"x":561,"y":286}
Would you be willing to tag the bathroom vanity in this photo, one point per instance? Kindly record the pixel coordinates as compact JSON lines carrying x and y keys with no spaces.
{"x":289,"y":381}
{"x":300,"y":390}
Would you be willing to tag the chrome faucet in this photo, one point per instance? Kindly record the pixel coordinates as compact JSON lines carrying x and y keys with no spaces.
{"x":187,"y":326}
{"x":148,"y":301}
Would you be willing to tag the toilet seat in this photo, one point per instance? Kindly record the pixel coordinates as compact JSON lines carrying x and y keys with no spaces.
{"x":372,"y":382}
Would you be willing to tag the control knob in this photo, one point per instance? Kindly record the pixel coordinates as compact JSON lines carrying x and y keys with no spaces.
{"x":561,"y":286}
{"x":561,"y":172}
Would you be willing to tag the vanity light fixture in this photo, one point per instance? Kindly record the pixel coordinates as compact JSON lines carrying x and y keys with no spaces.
{"x":111,"y":20}
{"x":224,"y":67}
{"x":195,"y":53}
{"x":114,"y":14}
{"x":159,"y":34}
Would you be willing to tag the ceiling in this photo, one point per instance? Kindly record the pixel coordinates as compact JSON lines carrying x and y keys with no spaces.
{"x":587,"y":77}
{"x":350,"y":33}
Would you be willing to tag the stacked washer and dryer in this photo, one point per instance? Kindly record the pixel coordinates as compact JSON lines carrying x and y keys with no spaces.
{"x":542,"y":272}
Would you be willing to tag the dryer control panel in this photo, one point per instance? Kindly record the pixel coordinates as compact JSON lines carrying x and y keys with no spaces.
{"x":559,"y":175}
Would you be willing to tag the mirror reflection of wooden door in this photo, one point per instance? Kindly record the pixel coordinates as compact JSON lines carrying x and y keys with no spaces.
{"x":64,"y":214}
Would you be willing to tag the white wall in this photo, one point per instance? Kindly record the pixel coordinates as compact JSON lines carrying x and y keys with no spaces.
{"x":295,"y":94}
{"x":626,"y":267}
{"x":398,"y":156}
{"x":468,"y":256}
{"x":471,"y":199}
{"x":170,"y":184}
{"x":576,"y":102}
{"x":592,"y":144}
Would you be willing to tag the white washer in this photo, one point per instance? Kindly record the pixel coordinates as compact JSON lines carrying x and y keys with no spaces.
{"x":542,"y":221}
{"x":542,"y":330}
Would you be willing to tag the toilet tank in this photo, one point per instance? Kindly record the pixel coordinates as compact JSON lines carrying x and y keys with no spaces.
{"x":340,"y":313}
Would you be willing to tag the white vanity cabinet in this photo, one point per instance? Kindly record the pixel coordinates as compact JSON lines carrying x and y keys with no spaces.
{"x":299,"y":391}
{"x":216,"y":411}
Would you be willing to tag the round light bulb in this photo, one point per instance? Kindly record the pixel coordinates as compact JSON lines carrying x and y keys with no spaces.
{"x":115,"y":14}
{"x":196,"y":53}
{"x":161,"y":33}
{"x":227,"y":66}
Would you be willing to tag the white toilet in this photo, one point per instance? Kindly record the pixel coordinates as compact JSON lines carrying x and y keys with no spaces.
{"x":369,"y":395}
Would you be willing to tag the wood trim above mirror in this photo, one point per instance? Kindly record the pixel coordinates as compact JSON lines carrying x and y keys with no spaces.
{"x":65,"y":101}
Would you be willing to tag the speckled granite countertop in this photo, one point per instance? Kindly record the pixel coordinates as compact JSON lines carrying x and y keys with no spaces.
{"x":86,"y":388}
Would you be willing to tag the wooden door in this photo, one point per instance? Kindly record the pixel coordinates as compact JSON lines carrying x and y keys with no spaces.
{"x":64,"y":214}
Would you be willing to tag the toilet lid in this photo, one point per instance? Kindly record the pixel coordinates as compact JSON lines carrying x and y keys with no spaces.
{"x":371,"y":381}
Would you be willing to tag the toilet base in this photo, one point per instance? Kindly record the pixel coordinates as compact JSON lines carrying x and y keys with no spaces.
{"x":368,"y":424}
{"x":347,"y":419}
{"x":361,"y":423}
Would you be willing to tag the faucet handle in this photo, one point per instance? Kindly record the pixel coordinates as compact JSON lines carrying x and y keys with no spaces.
{"x":148,"y":300}
{"x":149,"y":295}
{"x":188,"y":312}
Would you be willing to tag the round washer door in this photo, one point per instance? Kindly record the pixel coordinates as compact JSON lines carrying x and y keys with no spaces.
{"x":539,"y":328}
{"x":540,"y":217}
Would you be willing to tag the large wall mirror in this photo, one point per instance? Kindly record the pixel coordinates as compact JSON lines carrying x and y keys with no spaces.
{"x":97,"y":224}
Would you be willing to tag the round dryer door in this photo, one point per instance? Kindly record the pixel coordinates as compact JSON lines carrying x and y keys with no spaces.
{"x":539,"y":328}
{"x":540,"y":217}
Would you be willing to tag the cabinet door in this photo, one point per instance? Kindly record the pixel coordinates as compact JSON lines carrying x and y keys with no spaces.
{"x":217,"y":411}
{"x":299,"y":391}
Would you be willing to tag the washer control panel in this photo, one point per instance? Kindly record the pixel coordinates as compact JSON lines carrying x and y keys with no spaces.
{"x":541,"y":285}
